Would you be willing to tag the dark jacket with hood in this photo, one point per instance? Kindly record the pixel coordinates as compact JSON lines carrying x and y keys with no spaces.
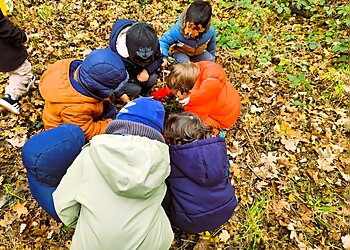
{"x":13,"y":53}
{"x":133,"y":68}
{"x":200,"y":196}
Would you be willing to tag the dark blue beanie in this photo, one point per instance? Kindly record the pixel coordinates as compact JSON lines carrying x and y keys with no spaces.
{"x":144,"y":110}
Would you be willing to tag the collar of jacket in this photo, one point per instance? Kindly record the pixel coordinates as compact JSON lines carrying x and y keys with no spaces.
{"x":123,"y":127}
{"x":117,"y":27}
{"x":76,"y":85}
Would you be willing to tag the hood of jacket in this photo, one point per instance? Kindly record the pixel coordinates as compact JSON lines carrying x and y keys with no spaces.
{"x":118,"y":26}
{"x":133,"y":166}
{"x":206,"y":170}
{"x":55,"y":84}
{"x":101,"y":73}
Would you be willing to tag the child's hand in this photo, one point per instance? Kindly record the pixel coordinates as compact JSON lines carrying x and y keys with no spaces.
{"x":124,"y":98}
{"x":143,"y":76}
{"x":165,"y":62}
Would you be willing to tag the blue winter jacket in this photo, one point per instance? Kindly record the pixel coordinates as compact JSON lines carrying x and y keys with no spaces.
{"x":47,"y":157}
{"x":174,"y":38}
{"x":131,"y":67}
{"x":200,"y":196}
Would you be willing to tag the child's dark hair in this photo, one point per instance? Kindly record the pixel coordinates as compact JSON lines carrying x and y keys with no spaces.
{"x":184,"y":128}
{"x":199,"y":12}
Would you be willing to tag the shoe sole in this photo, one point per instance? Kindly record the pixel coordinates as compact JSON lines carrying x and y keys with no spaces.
{"x":9,"y":107}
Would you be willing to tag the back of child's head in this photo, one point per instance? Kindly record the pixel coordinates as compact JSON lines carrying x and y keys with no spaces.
{"x":144,"y":110}
{"x":183,"y":76}
{"x":184,"y":128}
{"x":142,"y":43}
{"x":101,"y":73}
{"x":199,"y":12}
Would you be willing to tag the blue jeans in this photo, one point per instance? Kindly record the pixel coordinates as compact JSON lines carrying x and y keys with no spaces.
{"x":206,"y":56}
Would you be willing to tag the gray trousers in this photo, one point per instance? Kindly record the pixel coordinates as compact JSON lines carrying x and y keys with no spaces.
{"x":135,"y":88}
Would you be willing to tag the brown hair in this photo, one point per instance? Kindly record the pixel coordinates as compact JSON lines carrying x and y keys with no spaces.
{"x":183,"y":76}
{"x":184,"y":128}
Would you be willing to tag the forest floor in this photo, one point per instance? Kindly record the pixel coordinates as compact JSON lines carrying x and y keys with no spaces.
{"x":289,"y":150}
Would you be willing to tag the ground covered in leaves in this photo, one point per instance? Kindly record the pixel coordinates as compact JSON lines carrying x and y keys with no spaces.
{"x":289,"y":151}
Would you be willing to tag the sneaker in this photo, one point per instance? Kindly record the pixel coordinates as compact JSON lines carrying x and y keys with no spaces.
{"x":30,"y":83}
{"x":11,"y":105}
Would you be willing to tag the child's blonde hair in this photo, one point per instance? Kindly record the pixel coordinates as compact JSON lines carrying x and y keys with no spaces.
{"x":184,"y":128}
{"x":183,"y":76}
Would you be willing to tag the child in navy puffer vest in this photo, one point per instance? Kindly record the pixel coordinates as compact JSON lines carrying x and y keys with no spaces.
{"x":200,"y":196}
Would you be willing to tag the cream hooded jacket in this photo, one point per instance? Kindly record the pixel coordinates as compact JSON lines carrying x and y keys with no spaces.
{"x":112,"y":194}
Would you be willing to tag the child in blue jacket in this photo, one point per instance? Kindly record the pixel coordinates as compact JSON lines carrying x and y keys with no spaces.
{"x":199,"y":196}
{"x":47,"y":156}
{"x":193,"y":36}
{"x":138,"y":46}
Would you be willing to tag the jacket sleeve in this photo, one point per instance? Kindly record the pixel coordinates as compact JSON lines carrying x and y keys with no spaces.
{"x":212,"y":44}
{"x":11,"y":33}
{"x":166,"y":41}
{"x":209,"y":89}
{"x":156,"y":64}
{"x":64,"y":197}
{"x":85,"y":120}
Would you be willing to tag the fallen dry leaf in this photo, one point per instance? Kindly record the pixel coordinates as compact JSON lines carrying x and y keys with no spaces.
{"x":224,"y":236}
{"x":20,"y":209}
{"x":346,"y":241}
{"x":17,"y":141}
{"x":290,"y":144}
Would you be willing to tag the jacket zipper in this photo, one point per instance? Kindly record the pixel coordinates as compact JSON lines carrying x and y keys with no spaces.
{"x":195,"y":48}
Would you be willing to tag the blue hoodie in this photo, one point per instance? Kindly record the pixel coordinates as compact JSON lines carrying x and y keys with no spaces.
{"x":200,"y":196}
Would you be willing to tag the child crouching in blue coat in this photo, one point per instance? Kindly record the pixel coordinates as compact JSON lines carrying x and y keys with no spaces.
{"x":199,"y":196}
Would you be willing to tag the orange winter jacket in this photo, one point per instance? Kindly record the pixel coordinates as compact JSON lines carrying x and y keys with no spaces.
{"x":63,"y":104}
{"x":212,"y":98}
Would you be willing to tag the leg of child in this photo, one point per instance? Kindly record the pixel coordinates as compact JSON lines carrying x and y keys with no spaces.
{"x":147,"y":86}
{"x":206,"y":56}
{"x":132,"y":88}
{"x":180,"y":57}
{"x":20,"y":80}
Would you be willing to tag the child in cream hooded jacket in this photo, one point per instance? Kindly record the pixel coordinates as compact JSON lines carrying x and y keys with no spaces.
{"x":112,"y":192}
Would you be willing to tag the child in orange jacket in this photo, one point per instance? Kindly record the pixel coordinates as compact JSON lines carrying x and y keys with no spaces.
{"x":202,"y":89}
{"x":78,"y":92}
